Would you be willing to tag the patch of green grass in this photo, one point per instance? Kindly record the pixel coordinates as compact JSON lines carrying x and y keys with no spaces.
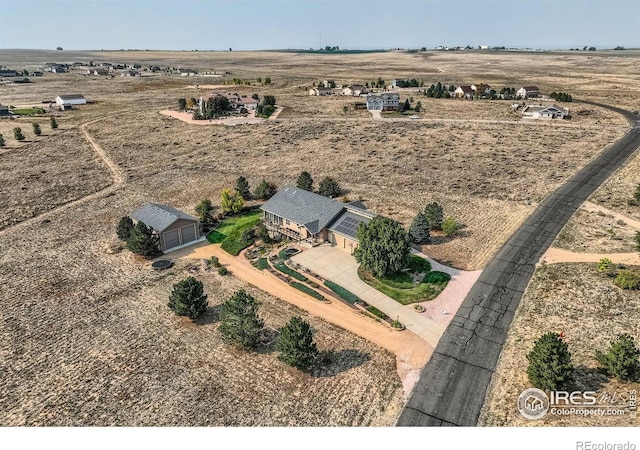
{"x":27,"y":111}
{"x":307,"y":290}
{"x":417,"y":264}
{"x":400,"y":280}
{"x":289,"y":271}
{"x":235,"y":243}
{"x":230,"y":232}
{"x":344,"y":294}
{"x":420,"y":293}
{"x":215,"y":237}
{"x":262,"y":263}
{"x":436,"y":277}
{"x":376,"y":312}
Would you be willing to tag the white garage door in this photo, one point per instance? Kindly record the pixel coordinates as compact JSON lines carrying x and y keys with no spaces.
{"x":188,"y":233}
{"x":171,"y":239}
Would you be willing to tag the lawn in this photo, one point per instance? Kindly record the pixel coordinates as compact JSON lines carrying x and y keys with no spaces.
{"x":27,"y":111}
{"x":307,"y":290}
{"x":230,"y":232}
{"x":262,"y":263}
{"x":289,"y":271}
{"x":343,"y":293}
{"x":401,"y":286}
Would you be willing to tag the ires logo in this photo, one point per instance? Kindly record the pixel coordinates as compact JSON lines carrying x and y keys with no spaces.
{"x":535,"y":404}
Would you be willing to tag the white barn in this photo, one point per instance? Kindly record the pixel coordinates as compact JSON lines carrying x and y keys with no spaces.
{"x":71,"y":99}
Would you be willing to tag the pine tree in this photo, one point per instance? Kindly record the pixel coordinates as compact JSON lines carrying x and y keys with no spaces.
{"x":188,"y":298}
{"x":550,"y":366}
{"x":419,"y":230}
{"x":143,"y":241}
{"x":2,"y":144}
{"x":17,"y":133}
{"x":204,"y":208}
{"x":329,"y":188}
{"x":240,"y":325}
{"x":434,"y":214}
{"x":305,"y":181}
{"x":242,"y":186}
{"x":36,"y":128}
{"x":124,"y":228}
{"x":53,"y":122}
{"x":621,"y":359}
{"x":296,"y":345}
{"x":265,"y":190}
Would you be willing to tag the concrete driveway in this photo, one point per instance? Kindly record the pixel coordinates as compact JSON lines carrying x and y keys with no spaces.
{"x":340,"y":267}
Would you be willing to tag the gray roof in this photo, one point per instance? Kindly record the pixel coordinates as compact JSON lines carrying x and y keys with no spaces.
{"x":159,"y":217}
{"x":313,"y":211}
{"x":347,"y":223}
{"x":71,"y":97}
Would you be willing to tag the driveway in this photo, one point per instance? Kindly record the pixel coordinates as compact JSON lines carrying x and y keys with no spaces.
{"x":340,"y":267}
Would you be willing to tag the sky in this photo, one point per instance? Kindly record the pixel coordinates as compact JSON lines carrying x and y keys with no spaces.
{"x":302,"y":24}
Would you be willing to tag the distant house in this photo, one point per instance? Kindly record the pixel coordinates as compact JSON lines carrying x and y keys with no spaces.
{"x":329,"y":83}
{"x":304,"y":215}
{"x":545,"y":112}
{"x":174,"y":228}
{"x":4,"y":110}
{"x":482,"y":88}
{"x":70,"y":100}
{"x":321,"y":91}
{"x":99,"y":72}
{"x":59,"y":69}
{"x":528,"y":92}
{"x":135,"y":66}
{"x":187,"y":72}
{"x":130,"y":73}
{"x":355,"y":90}
{"x":7,"y":73}
{"x":155,"y":69}
{"x":236,"y":101}
{"x":464,"y":92}
{"x":35,"y":73}
{"x":385,"y":101}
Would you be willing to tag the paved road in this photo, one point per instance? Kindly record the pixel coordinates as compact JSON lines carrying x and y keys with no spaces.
{"x":453,"y":385}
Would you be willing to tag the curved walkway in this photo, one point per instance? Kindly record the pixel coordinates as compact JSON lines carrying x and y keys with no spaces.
{"x":411,"y":351}
{"x":453,"y":386}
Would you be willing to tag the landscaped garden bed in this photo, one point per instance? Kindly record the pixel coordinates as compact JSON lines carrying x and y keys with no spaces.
{"x":308,"y":290}
{"x":416,"y":283}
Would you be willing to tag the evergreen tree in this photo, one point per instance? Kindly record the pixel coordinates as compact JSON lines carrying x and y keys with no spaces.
{"x":240,"y":325}
{"x":406,"y":106}
{"x":637,"y":239}
{"x":53,"y":122}
{"x":17,"y":133}
{"x":265,"y":190}
{"x":296,"y":345}
{"x":419,"y":230}
{"x":36,"y":128}
{"x":2,"y":144}
{"x":637,"y":194}
{"x":384,"y":246}
{"x":143,"y":241}
{"x":550,"y":366}
{"x":621,"y":359}
{"x":329,"y":188}
{"x":188,"y":298}
{"x":182,"y":103}
{"x":242,"y":186}
{"x":124,"y":228}
{"x":434,"y":214}
{"x":204,"y":208}
{"x":305,"y":181}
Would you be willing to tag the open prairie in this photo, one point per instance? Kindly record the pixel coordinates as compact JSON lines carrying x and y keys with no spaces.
{"x":85,"y":335}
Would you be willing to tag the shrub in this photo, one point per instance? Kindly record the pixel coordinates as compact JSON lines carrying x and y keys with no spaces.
{"x":434,"y":214}
{"x":188,"y":298}
{"x":606,"y":266}
{"x":282,"y":267}
{"x":125,"y":225}
{"x":214,"y":261}
{"x":449,"y":226}
{"x":436,"y":277}
{"x":143,"y":241}
{"x":621,"y":359}
{"x":296,"y":344}
{"x":17,"y":133}
{"x":344,"y":294}
{"x":222,"y":270}
{"x":36,"y":128}
{"x":637,"y":239}
{"x":53,"y":123}
{"x":240,"y":324}
{"x":627,"y":279}
{"x":550,"y":366}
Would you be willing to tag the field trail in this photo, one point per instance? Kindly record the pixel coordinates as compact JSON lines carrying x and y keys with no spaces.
{"x":592,"y":207}
{"x":558,"y":255}
{"x":117,"y":174}
{"x":412,"y":352}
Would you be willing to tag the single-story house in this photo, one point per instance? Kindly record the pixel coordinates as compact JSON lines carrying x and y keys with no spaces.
{"x":464,"y":92}
{"x":528,"y":92}
{"x":545,"y":112}
{"x":98,"y":72}
{"x":174,"y":228}
{"x":71,"y":99}
{"x":321,"y":91}
{"x":482,"y":88}
{"x":130,"y":73}
{"x":385,"y":101}
{"x":355,"y":90}
{"x":8,"y":73}
{"x":4,"y":110}
{"x":304,"y":215}
{"x":35,"y":73}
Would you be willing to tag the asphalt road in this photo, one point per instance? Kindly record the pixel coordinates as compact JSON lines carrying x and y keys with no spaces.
{"x":453,"y":385}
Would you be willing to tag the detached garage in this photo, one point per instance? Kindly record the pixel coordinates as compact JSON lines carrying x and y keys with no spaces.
{"x":174,"y":227}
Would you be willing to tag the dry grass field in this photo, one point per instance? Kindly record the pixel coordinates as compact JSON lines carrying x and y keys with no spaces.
{"x":85,"y":335}
{"x":590,"y":311}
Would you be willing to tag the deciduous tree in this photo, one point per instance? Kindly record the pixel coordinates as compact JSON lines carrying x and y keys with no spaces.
{"x":240,"y":324}
{"x":384,"y":246}
{"x":188,"y":298}
{"x":204,"y":208}
{"x":231,"y":201}
{"x":296,"y":344}
{"x":550,"y":366}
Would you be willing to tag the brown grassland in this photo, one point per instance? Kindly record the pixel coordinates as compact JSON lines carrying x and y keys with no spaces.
{"x":85,"y":334}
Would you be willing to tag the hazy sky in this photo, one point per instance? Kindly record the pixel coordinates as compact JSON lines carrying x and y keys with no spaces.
{"x":246,"y":25}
